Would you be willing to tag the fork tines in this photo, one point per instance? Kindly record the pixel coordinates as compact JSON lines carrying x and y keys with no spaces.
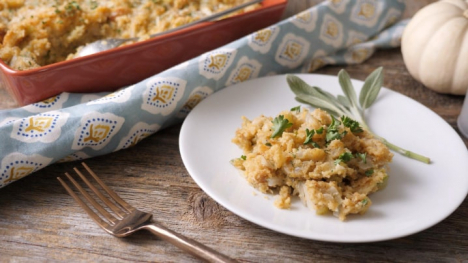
{"x":120,"y":219}
{"x":119,"y":207}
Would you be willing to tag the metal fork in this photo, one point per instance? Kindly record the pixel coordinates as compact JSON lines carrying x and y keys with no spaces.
{"x":127,"y":219}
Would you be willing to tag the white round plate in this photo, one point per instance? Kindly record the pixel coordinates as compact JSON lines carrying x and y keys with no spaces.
{"x":417,"y":197}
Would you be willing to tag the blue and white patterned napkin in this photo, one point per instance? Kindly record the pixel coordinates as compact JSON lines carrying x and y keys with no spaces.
{"x":78,"y":126}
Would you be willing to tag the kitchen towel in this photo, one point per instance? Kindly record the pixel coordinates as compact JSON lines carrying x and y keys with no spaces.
{"x":72,"y":127}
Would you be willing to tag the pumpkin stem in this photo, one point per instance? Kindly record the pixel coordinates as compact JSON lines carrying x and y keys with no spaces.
{"x":465,"y":14}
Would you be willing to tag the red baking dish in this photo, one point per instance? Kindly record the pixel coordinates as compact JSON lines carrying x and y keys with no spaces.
{"x":116,"y":68}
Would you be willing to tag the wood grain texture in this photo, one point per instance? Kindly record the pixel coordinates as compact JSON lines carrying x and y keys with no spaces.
{"x":39,"y":222}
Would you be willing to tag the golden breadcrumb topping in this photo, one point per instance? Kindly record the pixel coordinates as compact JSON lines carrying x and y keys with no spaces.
{"x":329,"y":163}
{"x":35,"y":33}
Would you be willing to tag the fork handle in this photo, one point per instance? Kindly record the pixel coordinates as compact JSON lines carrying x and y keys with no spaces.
{"x":189,"y":245}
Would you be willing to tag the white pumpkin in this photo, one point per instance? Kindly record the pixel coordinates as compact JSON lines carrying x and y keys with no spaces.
{"x":435,"y":46}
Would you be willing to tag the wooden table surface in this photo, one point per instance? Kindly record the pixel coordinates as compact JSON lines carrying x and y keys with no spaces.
{"x":39,"y":222}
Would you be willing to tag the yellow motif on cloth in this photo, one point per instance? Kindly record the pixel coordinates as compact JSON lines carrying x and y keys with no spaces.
{"x":50,"y":100}
{"x":360,"y":55}
{"x":332,"y":29}
{"x":137,"y":139}
{"x":304,"y":16}
{"x":292,"y":50}
{"x":73,"y":157}
{"x":367,"y":10}
{"x":193,"y":101}
{"x":163,"y":93}
{"x":20,"y":172}
{"x":316,"y":64}
{"x":263,"y":35}
{"x":111,"y":95}
{"x":39,"y":124}
{"x":355,"y":41}
{"x":244,"y":74}
{"x":392,"y":20}
{"x":218,"y":61}
{"x":97,"y":133}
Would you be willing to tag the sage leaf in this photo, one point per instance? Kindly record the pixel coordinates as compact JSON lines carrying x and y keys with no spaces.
{"x":343,"y":100}
{"x":320,"y":104}
{"x":314,"y":95}
{"x":347,"y":87}
{"x":371,"y":88}
{"x":327,"y":95}
{"x":298,"y":86}
{"x":347,"y":105}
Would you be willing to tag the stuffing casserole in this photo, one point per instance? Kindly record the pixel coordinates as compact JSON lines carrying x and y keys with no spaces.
{"x":35,"y":33}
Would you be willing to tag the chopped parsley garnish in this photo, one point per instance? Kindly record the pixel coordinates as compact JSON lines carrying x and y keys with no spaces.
{"x":309,"y":135}
{"x":243,"y":157}
{"x":351,"y":124}
{"x":364,"y":202}
{"x":344,"y":157}
{"x":93,"y":5}
{"x":280,"y":124}
{"x":297,"y":109}
{"x":268,"y":144}
{"x":369,"y":172}
{"x":333,"y":132}
{"x":76,"y":5}
{"x":72,"y":6}
{"x":319,"y":131}
{"x":362,"y":156}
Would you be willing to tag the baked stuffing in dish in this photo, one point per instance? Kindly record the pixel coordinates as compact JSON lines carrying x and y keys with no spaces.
{"x":35,"y":33}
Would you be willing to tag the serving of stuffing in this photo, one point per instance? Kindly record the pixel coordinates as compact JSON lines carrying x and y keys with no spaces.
{"x":35,"y":33}
{"x":331,"y":163}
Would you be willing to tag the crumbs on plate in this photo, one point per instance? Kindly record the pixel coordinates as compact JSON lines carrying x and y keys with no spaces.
{"x":331,"y":164}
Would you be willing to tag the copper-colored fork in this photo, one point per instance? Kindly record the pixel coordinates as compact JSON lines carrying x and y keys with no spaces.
{"x":121,"y":219}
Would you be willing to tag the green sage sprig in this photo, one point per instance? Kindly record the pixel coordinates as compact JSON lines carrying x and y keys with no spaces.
{"x":348,"y":105}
